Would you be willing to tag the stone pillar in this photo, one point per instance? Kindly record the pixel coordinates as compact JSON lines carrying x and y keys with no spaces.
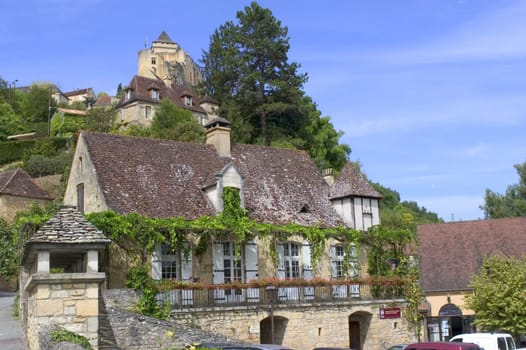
{"x":43,"y":262}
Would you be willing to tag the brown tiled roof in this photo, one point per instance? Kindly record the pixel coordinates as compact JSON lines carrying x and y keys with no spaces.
{"x":103,"y":100}
{"x":77,"y":92}
{"x":279,"y":183}
{"x":450,"y":253}
{"x":141,"y":91}
{"x":351,"y":182}
{"x":157,"y":178}
{"x":160,"y":178}
{"x":18,"y":183}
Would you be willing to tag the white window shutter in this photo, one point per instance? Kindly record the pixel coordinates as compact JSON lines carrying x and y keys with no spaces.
{"x":334,"y":273}
{"x":280,"y":250}
{"x":251,"y":261}
{"x":217,"y":258}
{"x":186,"y":266}
{"x":157,"y":263}
{"x":307,"y":267}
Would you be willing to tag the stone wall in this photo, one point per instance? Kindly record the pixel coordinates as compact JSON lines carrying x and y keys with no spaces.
{"x":301,"y":327}
{"x":68,"y":303}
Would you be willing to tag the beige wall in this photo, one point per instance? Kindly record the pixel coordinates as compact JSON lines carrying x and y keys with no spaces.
{"x":307,"y":326}
{"x":82,"y":171}
{"x":438,"y":300}
{"x":10,"y":205}
{"x":70,"y":302}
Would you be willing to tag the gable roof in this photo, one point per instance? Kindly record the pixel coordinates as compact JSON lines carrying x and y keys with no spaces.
{"x":450,"y":253}
{"x":140,"y":90}
{"x":161,"y":178}
{"x":18,"y":183}
{"x":351,"y":182}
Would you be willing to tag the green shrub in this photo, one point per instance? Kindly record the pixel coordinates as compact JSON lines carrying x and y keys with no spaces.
{"x":61,"y":334}
{"x":12,"y":151}
{"x":39,"y":165}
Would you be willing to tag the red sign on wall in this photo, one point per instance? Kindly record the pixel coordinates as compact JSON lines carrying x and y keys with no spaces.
{"x":389,"y":312}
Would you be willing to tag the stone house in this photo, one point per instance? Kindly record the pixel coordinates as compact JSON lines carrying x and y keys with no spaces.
{"x":18,"y":191}
{"x":86,"y":96}
{"x":161,"y":178}
{"x":450,"y":253}
{"x":141,"y":96}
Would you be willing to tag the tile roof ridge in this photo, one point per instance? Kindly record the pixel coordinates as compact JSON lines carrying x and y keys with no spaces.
{"x":9,"y":180}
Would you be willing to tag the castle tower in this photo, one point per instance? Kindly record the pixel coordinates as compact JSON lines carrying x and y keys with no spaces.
{"x":167,"y":61}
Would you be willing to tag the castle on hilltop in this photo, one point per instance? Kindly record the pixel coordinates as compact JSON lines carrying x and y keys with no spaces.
{"x":167,"y":61}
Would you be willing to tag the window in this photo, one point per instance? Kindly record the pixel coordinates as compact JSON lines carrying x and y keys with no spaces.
{"x":80,"y":197}
{"x":188,"y":100}
{"x":128,"y":94}
{"x":338,"y":257}
{"x":154,"y":61}
{"x":122,"y":115}
{"x":231,"y":264}
{"x":168,"y":263}
{"x":291,"y":253}
{"x":147,"y":112}
{"x":155,"y":94}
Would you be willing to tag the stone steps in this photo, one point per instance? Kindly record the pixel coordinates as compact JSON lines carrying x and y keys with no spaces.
{"x":106,"y":337}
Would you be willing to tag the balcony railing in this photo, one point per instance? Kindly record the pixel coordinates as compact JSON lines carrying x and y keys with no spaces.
{"x":276,"y":294}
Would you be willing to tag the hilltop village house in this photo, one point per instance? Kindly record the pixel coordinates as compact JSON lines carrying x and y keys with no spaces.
{"x":450,"y":253}
{"x":160,"y":178}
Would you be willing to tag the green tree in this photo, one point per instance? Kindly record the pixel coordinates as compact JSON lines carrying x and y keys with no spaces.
{"x":261,"y":93}
{"x":35,"y":106}
{"x":175,"y":123}
{"x":498,"y":297}
{"x":10,"y":123}
{"x":8,"y":258}
{"x":100,"y":119}
{"x":510,"y":204}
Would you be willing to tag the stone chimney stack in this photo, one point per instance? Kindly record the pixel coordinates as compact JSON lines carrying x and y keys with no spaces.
{"x":218,"y":134}
{"x":328,"y":176}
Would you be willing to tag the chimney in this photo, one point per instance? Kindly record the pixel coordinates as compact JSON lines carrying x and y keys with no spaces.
{"x":328,"y":176}
{"x":218,"y":134}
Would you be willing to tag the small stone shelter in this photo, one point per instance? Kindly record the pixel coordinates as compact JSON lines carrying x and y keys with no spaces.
{"x":61,"y":277}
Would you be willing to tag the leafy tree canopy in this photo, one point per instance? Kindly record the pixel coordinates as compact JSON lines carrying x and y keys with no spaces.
{"x":10,"y":123}
{"x":510,"y":204}
{"x":498,"y":295}
{"x":261,"y":93}
{"x":100,"y":119}
{"x":175,"y":123}
{"x":35,"y":105}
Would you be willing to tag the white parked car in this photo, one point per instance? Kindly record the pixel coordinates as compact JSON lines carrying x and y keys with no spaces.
{"x":487,"y":341}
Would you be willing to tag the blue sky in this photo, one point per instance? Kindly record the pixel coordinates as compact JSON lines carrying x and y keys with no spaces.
{"x":430,"y":94}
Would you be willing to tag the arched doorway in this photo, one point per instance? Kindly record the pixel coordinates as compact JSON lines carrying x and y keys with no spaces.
{"x":272,"y":330}
{"x":358,"y":327}
{"x":450,"y":320}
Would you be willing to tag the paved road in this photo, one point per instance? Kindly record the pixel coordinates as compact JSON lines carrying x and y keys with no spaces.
{"x":11,"y":336}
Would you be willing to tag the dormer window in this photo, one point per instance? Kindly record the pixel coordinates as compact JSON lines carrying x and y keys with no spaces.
{"x":128,"y":94}
{"x":188,"y":100}
{"x":155,"y":94}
